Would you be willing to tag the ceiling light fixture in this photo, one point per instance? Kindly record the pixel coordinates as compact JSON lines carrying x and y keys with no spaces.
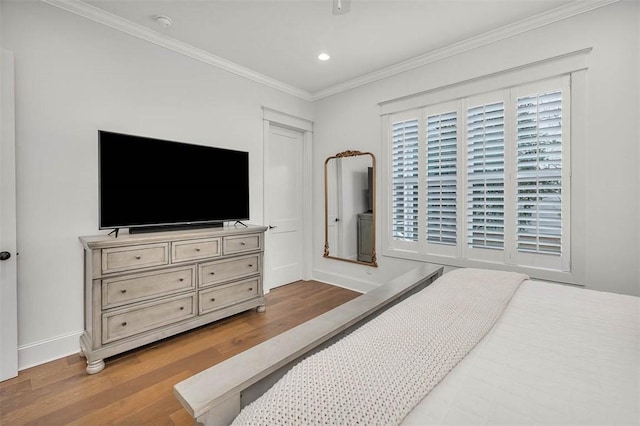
{"x":324,"y":57}
{"x":164,"y":21}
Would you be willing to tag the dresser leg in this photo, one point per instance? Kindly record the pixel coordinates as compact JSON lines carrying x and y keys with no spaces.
{"x":95,"y":366}
{"x":261,"y":308}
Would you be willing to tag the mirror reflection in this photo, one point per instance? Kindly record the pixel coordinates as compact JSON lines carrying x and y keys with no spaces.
{"x":349,"y":179}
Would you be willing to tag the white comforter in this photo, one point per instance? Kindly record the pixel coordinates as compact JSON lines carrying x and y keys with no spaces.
{"x":558,"y":356}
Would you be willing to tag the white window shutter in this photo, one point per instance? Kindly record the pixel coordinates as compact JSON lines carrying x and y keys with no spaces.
{"x":442,"y":176}
{"x":539,"y":173}
{"x":485,"y":176}
{"x":485,"y":179}
{"x":405,"y":176}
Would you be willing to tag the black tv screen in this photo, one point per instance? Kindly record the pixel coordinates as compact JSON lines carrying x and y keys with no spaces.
{"x":152,"y":182}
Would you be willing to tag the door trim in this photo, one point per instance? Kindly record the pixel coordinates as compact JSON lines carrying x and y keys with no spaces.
{"x":272,"y":117}
{"x":8,"y":240}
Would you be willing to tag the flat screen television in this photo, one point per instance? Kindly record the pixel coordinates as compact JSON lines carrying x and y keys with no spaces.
{"x":148,"y":184}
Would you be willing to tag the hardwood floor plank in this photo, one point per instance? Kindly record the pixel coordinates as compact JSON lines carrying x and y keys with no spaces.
{"x":180,"y":417}
{"x":156,"y":413}
{"x":123,"y":408}
{"x":54,"y":371}
{"x":137,"y":387}
{"x":14,"y":390}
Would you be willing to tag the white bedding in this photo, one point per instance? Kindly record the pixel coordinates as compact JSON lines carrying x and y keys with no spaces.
{"x":559,"y":355}
{"x":377,"y":374}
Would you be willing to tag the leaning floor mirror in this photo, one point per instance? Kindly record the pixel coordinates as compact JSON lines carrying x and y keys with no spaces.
{"x":350,"y":207}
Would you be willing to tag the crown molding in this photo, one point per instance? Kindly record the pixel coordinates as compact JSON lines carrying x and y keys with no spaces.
{"x":96,"y":14}
{"x":560,"y":13}
{"x":109,"y":19}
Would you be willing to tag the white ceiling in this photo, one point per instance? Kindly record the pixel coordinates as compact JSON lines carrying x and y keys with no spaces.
{"x":280,"y":40}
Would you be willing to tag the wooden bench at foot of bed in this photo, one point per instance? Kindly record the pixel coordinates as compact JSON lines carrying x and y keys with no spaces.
{"x":216,"y":395}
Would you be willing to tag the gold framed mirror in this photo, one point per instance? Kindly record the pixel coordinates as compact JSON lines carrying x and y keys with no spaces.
{"x":350,"y":207}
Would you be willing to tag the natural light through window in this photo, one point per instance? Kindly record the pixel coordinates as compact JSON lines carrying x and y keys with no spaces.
{"x":484,"y":178}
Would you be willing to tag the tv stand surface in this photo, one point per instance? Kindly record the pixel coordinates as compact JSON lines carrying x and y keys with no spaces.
{"x":145,"y":287}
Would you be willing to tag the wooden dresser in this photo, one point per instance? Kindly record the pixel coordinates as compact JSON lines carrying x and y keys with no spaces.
{"x":140,"y":288}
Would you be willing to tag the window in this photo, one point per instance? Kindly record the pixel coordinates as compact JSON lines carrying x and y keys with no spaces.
{"x":539,"y":173}
{"x":442,"y":178}
{"x":405,"y":180}
{"x":485,"y":177}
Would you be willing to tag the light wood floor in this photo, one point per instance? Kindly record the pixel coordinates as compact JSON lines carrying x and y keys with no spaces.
{"x":136,"y":388}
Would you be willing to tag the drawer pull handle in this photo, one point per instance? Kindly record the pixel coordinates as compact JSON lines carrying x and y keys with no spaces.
{"x":182,"y":308}
{"x":213,"y":299}
{"x":123,"y":291}
{"x":124,"y":324}
{"x":242,"y":243}
{"x":138,"y":257}
{"x":250,"y":288}
{"x":251,"y":265}
{"x":181,"y":279}
{"x":212,"y":273}
{"x":197,"y":249}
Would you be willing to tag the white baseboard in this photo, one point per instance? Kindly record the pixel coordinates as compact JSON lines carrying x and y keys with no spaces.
{"x":47,"y":350}
{"x":344,"y":281}
{"x":43,"y":351}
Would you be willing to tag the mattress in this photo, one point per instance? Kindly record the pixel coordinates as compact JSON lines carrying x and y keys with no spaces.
{"x":559,"y":355}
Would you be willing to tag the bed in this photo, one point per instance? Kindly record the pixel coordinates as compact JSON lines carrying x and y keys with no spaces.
{"x":538,"y":353}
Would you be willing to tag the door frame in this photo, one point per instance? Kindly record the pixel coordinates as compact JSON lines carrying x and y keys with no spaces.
{"x":8,"y":240}
{"x":272,"y":117}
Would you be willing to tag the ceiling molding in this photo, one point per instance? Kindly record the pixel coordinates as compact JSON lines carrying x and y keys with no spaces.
{"x":560,"y":13}
{"x":529,"y":72}
{"x":109,"y":19}
{"x":96,"y":14}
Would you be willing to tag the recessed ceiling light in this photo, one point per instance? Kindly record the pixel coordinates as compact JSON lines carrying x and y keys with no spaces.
{"x":324,"y":56}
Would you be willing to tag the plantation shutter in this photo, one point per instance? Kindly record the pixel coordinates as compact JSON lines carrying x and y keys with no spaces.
{"x":442,"y":139}
{"x":539,"y":173}
{"x":405,"y":159}
{"x":485,"y":176}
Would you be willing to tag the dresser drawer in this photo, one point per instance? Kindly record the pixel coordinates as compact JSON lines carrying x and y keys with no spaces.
{"x":242,"y":243}
{"x":228,"y":269}
{"x":134,"y":257}
{"x":183,"y":251}
{"x":228,"y":294}
{"x":132,"y":321}
{"x":134,"y":288}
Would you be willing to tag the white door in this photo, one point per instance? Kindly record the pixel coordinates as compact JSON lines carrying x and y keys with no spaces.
{"x":284,"y":207}
{"x":8,"y":283}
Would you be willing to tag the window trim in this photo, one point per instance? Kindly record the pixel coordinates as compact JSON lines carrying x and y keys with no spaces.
{"x":572,"y":65}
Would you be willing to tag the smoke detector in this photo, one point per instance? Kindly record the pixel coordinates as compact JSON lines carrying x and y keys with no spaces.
{"x":164,"y":21}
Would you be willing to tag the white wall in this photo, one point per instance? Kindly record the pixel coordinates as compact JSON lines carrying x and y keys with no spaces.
{"x":73,"y":77}
{"x":610,"y":153}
